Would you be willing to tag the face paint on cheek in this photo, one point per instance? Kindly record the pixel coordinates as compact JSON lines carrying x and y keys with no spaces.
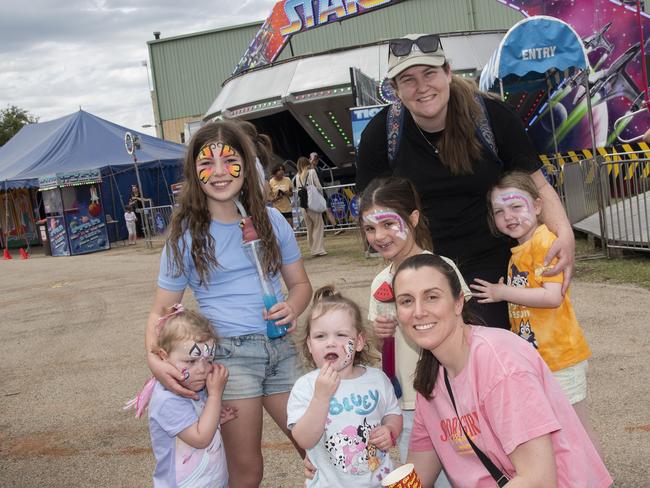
{"x":205,"y":173}
{"x":399,"y":227}
{"x":234,"y":169}
{"x":348,"y":350}
{"x":510,"y":198}
{"x":186,"y":374}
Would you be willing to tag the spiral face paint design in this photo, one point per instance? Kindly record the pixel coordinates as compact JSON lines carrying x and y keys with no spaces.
{"x":217,"y":151}
{"x":399,"y":226}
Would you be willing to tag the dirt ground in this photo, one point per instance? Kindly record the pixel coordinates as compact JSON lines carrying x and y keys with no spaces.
{"x":71,"y":335}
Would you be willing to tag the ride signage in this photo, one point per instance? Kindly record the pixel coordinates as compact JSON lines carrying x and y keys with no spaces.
{"x":289,"y":17}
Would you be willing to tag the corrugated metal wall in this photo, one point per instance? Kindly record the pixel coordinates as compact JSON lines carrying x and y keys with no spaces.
{"x":188,"y":70}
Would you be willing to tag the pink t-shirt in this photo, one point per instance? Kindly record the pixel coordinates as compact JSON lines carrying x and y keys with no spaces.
{"x":505,"y":396}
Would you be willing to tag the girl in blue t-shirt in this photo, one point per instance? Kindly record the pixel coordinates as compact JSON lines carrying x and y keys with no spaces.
{"x":204,"y":252}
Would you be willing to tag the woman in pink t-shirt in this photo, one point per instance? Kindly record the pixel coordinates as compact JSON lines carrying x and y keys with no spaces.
{"x":507,"y":400}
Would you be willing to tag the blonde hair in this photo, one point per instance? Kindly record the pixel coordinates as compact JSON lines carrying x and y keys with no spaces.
{"x":327,"y":299}
{"x":182,"y":325}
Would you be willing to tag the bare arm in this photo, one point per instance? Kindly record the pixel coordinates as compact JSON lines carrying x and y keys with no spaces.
{"x":549,"y":295}
{"x":310,"y":427}
{"x":300,"y":290}
{"x":164,"y":372}
{"x":427,"y":465}
{"x":555,"y":218}
{"x":200,"y":434}
{"x":534,"y":462}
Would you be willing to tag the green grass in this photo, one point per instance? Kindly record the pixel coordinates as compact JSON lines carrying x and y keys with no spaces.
{"x":629,"y":268}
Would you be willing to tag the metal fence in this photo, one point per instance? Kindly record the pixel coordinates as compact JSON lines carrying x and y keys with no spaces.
{"x":606,"y":196}
{"x":155,"y":221}
{"x":342,"y":209}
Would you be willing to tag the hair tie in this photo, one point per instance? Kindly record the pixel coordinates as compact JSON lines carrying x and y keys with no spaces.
{"x":175,"y":310}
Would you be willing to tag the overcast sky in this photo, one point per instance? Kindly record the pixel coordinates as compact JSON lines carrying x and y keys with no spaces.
{"x":57,"y":56}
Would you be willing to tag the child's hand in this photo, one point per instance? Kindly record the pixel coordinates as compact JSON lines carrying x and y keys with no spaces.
{"x":227,"y":414}
{"x":216,"y":380}
{"x":488,"y":292}
{"x":384,"y":326}
{"x":310,"y":469}
{"x":327,"y":383}
{"x":283,"y":314}
{"x":381,"y":438}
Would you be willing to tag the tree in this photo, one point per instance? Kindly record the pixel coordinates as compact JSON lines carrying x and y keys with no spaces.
{"x":12,"y":119}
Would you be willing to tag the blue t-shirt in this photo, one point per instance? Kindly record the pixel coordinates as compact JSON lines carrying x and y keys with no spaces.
{"x":231,"y":297}
{"x":177,"y":463}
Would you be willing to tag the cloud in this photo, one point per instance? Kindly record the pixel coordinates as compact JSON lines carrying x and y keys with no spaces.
{"x":58,"y":56}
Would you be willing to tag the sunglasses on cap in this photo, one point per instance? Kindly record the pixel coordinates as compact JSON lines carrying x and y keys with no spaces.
{"x":427,"y":44}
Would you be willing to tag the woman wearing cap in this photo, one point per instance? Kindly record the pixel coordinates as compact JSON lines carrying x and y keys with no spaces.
{"x":447,"y":157}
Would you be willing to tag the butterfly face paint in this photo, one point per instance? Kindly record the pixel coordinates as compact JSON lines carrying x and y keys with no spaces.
{"x":214,"y":152}
{"x":194,"y":360}
{"x":515,"y":213}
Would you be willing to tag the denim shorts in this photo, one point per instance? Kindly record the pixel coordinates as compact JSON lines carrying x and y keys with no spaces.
{"x":573,"y":381}
{"x":257,"y":366}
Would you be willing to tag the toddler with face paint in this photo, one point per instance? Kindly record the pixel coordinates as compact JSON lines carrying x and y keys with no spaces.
{"x":344,"y":413}
{"x":185,"y":433}
{"x":391,"y":221}
{"x":539,"y":313}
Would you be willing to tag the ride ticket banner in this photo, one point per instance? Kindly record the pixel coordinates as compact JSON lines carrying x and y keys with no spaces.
{"x":58,"y":237}
{"x":290,"y":17}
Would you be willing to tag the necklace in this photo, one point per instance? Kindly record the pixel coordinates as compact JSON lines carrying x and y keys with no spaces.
{"x":435,"y":149}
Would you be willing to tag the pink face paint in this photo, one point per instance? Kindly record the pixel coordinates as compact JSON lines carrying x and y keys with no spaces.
{"x":382,"y":216}
{"x":186,"y":374}
{"x":519,"y":203}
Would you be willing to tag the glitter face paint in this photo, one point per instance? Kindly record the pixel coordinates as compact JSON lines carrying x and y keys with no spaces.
{"x":381,"y":216}
{"x":514,"y":212}
{"x":217,"y":151}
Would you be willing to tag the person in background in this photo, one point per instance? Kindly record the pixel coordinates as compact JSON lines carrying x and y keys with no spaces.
{"x":447,"y":151}
{"x":313,"y":220}
{"x":281,"y":191}
{"x":130,"y":218}
{"x":487,"y":386}
{"x":136,"y":202}
{"x":313,"y":161}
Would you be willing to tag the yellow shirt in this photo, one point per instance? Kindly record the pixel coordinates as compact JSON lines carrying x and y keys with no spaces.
{"x":555,"y":332}
{"x":283,"y":204}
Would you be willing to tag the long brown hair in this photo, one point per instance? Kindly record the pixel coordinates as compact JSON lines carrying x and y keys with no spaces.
{"x":262,"y":142}
{"x":426,"y":371}
{"x":459,"y":145}
{"x":327,"y":299}
{"x":192,"y":214}
{"x":400,"y":195}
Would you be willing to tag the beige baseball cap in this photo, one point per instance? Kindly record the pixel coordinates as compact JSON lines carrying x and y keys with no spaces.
{"x":397,"y":64}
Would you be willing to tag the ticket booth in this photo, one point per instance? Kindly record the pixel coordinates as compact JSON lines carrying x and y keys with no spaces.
{"x":76,"y":223}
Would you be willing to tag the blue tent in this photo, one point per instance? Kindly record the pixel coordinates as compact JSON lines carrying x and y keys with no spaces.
{"x":82,"y":141}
